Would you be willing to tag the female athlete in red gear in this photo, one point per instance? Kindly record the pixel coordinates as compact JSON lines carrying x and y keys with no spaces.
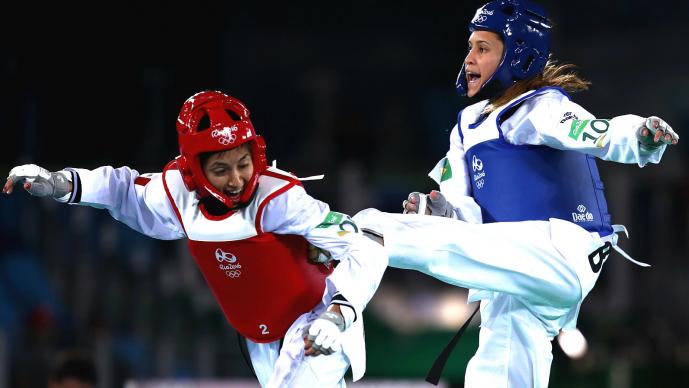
{"x":248,"y":227}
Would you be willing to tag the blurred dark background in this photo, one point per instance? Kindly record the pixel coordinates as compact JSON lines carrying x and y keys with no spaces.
{"x":363,"y":92}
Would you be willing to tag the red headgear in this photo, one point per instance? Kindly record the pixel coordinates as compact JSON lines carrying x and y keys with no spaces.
{"x":228,"y":127}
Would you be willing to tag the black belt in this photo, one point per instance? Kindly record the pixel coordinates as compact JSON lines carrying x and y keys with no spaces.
{"x":436,"y":370}
{"x":244,"y":350}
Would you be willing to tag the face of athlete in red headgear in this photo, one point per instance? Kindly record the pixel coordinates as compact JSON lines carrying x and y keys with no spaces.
{"x":230,"y":171}
{"x":220,"y":153}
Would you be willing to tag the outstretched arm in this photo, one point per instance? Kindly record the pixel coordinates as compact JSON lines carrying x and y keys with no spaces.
{"x":139,"y":202}
{"x":555,"y":121}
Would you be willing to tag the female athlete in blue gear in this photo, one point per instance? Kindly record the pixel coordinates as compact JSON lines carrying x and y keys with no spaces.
{"x":520,"y":176}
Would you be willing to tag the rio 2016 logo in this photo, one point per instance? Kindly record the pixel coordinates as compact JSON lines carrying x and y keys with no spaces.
{"x":221,"y":256}
{"x":479,"y":174}
{"x":481,"y":16}
{"x":476,"y":163}
{"x":231,"y":270}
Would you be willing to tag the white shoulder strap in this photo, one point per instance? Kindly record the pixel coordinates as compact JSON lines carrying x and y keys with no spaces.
{"x":308,"y":178}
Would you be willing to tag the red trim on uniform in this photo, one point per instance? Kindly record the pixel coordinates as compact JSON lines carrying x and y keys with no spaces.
{"x":292,"y":182}
{"x":141,"y":181}
{"x":283,"y":177}
{"x":169,"y":166}
{"x":211,"y":217}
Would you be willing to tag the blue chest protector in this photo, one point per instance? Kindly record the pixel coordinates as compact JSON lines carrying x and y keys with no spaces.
{"x":532,"y":182}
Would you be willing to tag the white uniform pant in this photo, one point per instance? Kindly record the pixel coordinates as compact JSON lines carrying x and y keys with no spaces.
{"x":530,"y":276}
{"x":288,"y":367}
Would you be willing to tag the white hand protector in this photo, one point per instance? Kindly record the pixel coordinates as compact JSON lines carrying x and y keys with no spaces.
{"x":434,"y":204}
{"x":319,"y":256}
{"x":414,"y":204}
{"x":439,"y":205}
{"x":38,"y":181}
{"x":656,"y":132}
{"x":326,"y":333}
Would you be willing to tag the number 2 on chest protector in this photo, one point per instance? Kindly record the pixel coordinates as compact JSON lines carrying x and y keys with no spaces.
{"x":264,"y":328}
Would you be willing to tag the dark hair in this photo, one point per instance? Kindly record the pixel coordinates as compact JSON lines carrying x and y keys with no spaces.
{"x":203,"y":158}
{"x":73,"y":365}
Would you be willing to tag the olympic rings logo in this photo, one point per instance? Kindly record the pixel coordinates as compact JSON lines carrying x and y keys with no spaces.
{"x":226,"y":135}
{"x":231,"y":270}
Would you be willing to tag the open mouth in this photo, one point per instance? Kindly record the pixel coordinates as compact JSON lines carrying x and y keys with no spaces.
{"x":472,"y":77}
{"x":234,"y":195}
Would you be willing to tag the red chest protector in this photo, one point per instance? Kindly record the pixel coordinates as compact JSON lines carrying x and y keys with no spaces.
{"x":263,"y":283}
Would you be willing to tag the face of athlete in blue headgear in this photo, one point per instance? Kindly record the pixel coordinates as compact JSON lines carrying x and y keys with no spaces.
{"x":524,"y":31}
{"x":485,"y":54}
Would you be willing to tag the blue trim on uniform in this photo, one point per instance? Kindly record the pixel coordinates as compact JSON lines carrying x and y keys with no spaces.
{"x":459,"y":125}
{"x":481,"y":118}
{"x":599,"y":192}
{"x":498,"y":121}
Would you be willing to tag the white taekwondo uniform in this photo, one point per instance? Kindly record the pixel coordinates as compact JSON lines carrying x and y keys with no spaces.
{"x":237,"y":246}
{"x":533,"y":229}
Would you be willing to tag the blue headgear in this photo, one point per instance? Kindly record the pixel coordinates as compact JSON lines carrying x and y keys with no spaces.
{"x":525,"y":33}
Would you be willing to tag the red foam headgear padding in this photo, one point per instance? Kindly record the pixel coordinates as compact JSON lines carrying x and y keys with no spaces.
{"x":211,"y":121}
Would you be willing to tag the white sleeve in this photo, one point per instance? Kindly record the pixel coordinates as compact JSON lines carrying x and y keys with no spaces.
{"x":452,"y":176}
{"x":142,"y":206}
{"x":554,"y":120}
{"x":361,"y":261}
